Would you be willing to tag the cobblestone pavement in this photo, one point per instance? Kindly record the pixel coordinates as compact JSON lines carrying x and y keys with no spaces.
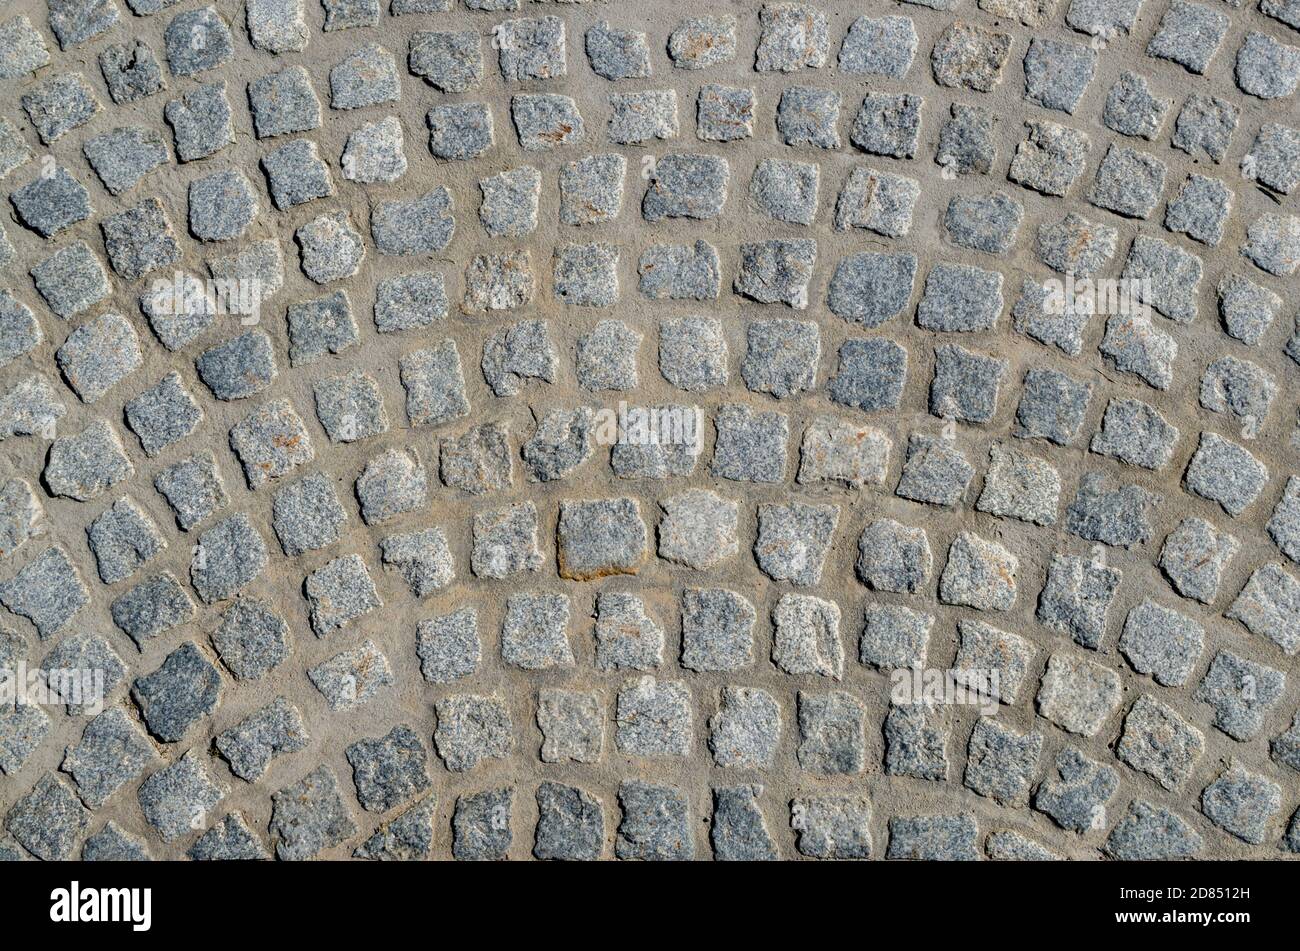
{"x":351,"y":362}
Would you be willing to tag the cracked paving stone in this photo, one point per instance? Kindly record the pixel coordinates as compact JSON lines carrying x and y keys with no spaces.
{"x":450,"y":61}
{"x":1189,"y":34}
{"x":831,"y":733}
{"x":409,"y":837}
{"x":726,"y":114}
{"x":966,"y":141}
{"x":498,"y":282}
{"x":111,"y":844}
{"x":1110,"y":512}
{"x":389,"y":771}
{"x":1267,"y":606}
{"x":49,"y":820}
{"x":251,"y":639}
{"x":296,"y":174}
{"x":916,"y":741}
{"x":112,"y":752}
{"x":184,"y":690}
{"x":419,"y":226}
{"x":1020,"y":486}
{"x":1241,"y":692}
{"x":991,"y":661}
{"x":832,"y":826}
{"x":481,"y":826}
{"x":478,"y":462}
{"x":1057,"y":74}
{"x":472,"y":729}
{"x":570,"y":824}
{"x":776,"y":272}
{"x":805,"y":115}
{"x":271,"y":442}
{"x":1131,"y":109}
{"x":250,"y":746}
{"x":542,"y":122}
{"x":193,"y":488}
{"x":122,"y":157}
{"x":717,"y":630}
{"x":561,"y":443}
{"x":196,"y":41}
{"x":505,"y":541}
{"x":352,"y":678}
{"x":365,"y":77}
{"x":786,"y":191}
{"x":309,"y":816}
{"x":1001,"y":764}
{"x":200,"y":121}
{"x":1076,"y":798}
{"x":276,"y":26}
{"x":122,"y":539}
{"x":1200,"y":209}
{"x":283,"y":102}
{"x":970,"y":56}
{"x":738,"y":831}
{"x":835,"y":450}
{"x":306,"y":515}
{"x":643,"y":116}
{"x":228,"y":840}
{"x":655,"y":824}
{"x":572,"y":725}
{"x":1266,"y":68}
{"x":59,"y":105}
{"x":534,"y":631}
{"x":1273,"y":244}
{"x":1050,"y":158}
{"x":53,"y":203}
{"x":48,"y":591}
{"x":682,"y":185}
{"x":806,"y":636}
{"x":178,"y":798}
{"x":1137,"y":346}
{"x":1246,"y":309}
{"x":870,"y":288}
{"x":1158,"y":742}
{"x":893,"y":557}
{"x":744,"y":733}
{"x":627,"y":638}
{"x":1078,"y":695}
{"x":693,"y":353}
{"x":1076,"y":598}
{"x":793,"y":541}
{"x":979,"y":574}
{"x":888,"y":124}
{"x":698,"y":529}
{"x":98,"y":355}
{"x":1128,"y":182}
{"x":1167,"y":277}
{"x":338,"y":593}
